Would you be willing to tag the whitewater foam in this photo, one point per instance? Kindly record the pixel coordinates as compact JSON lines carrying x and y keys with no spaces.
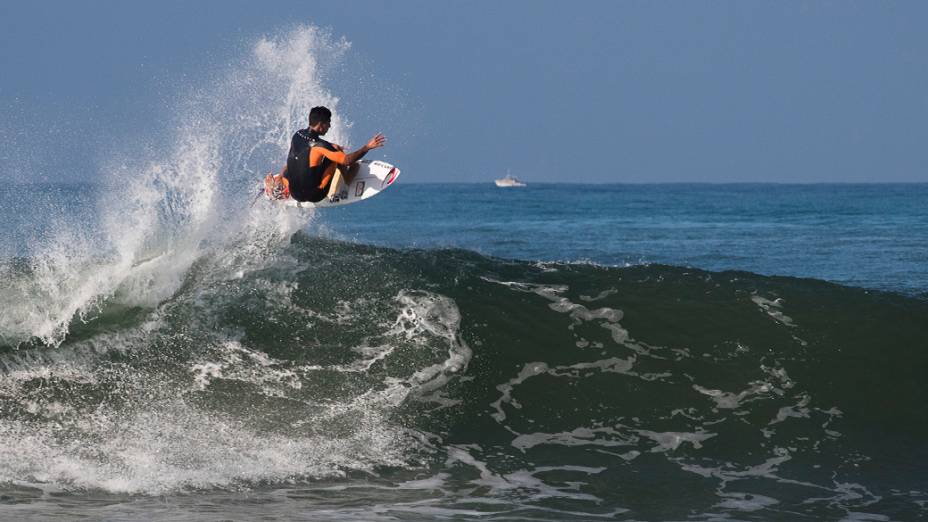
{"x":156,"y":431}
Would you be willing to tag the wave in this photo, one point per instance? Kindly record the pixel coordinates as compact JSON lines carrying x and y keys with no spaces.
{"x":534,"y":381}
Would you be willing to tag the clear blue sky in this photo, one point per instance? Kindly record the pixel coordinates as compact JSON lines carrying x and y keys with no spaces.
{"x":555,"y":91}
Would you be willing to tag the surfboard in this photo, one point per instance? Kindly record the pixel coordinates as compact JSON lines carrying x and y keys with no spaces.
{"x":368,"y":178}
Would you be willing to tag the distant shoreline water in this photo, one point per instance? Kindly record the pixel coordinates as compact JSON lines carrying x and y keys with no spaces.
{"x":868,"y":235}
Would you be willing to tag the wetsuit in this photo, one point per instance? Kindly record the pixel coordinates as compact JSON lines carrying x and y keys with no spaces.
{"x":310,"y":156}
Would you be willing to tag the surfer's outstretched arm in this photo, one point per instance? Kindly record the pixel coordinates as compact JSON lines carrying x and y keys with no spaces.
{"x":375,"y":143}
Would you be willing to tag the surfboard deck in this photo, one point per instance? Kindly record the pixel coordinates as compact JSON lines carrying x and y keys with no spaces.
{"x":371,"y":177}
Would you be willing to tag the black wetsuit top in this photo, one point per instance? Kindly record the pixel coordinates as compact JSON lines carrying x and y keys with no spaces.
{"x":304,"y":180}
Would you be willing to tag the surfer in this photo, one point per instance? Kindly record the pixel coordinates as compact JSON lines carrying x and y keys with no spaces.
{"x":312,"y":167}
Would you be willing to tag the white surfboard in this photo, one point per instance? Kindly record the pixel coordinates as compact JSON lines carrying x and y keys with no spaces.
{"x":370,"y":178}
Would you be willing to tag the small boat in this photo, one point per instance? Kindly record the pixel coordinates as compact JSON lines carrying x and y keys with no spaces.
{"x":509,"y":181}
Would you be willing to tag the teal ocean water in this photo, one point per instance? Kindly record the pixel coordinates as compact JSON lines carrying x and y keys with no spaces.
{"x":870,"y":236}
{"x":171,"y":351}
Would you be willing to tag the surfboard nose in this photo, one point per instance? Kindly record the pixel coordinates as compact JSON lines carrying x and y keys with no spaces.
{"x":394,"y":172}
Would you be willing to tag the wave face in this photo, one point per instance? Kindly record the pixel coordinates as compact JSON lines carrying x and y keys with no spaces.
{"x":445,"y":383}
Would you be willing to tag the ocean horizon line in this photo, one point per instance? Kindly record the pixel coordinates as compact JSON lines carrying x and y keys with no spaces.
{"x":577,"y":183}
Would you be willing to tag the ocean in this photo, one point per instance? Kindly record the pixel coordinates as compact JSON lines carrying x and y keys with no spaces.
{"x":172,"y":350}
{"x":621,"y":352}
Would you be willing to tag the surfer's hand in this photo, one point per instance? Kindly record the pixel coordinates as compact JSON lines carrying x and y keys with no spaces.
{"x":376,"y":142}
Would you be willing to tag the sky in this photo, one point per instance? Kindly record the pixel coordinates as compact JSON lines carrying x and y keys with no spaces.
{"x":591,"y":92}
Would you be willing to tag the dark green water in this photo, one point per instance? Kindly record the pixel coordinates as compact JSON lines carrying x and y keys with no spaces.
{"x":343,"y":381}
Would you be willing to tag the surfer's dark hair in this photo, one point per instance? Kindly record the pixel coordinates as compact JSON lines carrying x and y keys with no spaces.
{"x":319,"y":115}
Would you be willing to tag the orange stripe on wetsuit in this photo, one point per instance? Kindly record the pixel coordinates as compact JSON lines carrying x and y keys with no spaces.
{"x":316,"y":155}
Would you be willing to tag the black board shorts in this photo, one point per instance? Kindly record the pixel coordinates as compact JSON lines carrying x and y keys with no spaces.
{"x":313,"y":194}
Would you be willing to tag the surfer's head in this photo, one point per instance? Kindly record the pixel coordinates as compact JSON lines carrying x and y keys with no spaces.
{"x":320,"y":119}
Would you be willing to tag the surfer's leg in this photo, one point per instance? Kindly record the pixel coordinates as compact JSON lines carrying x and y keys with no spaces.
{"x":327,"y":176}
{"x":351,"y":171}
{"x":344,"y":175}
{"x":336,"y":183}
{"x":334,"y":180}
